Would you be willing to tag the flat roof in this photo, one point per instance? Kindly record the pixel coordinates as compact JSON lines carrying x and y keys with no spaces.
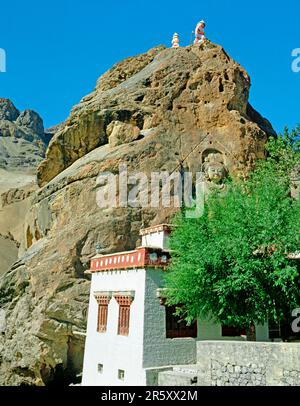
{"x":155,"y":229}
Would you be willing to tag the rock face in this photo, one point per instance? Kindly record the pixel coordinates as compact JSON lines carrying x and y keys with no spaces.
{"x":8,"y":110}
{"x":14,"y":204}
{"x":160,"y":111}
{"x":186,"y":89}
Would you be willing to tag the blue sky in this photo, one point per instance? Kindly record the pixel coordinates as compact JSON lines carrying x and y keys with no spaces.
{"x":56,"y":50}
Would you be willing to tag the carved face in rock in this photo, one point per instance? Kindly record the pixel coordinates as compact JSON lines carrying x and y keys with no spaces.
{"x":214,"y":168}
{"x":216,"y":172}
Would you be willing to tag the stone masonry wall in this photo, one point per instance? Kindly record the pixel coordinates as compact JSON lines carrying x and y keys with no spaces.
{"x":227,"y":374}
{"x":248,"y":363}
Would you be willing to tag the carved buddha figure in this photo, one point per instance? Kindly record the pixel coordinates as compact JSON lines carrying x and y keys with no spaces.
{"x":215,"y":171}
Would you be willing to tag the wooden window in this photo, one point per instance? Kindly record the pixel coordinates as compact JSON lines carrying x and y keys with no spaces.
{"x":102,"y":318}
{"x":124,"y":314}
{"x":103,"y":301}
{"x":124,"y":319}
{"x":176,"y":328}
{"x":274,"y":330}
{"x":229,"y":331}
{"x":283,"y":330}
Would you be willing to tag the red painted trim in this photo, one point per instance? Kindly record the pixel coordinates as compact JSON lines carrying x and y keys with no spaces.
{"x":139,"y":258}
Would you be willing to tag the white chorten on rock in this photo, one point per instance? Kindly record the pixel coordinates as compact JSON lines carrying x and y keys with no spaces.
{"x":175,"y":41}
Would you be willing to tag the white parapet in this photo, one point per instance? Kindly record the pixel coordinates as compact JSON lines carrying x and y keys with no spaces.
{"x":156,"y":236}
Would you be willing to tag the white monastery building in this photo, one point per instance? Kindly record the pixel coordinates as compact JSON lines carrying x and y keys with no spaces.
{"x":131,"y":334}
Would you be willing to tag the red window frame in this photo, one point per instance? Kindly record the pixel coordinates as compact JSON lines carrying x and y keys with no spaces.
{"x":103,"y":302}
{"x":124,"y":303}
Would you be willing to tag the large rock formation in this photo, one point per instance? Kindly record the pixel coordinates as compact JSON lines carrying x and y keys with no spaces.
{"x":166,"y":109}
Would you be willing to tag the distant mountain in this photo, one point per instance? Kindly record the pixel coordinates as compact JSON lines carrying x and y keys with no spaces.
{"x":23,"y":140}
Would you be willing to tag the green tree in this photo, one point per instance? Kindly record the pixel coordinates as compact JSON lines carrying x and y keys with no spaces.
{"x":231,"y":265}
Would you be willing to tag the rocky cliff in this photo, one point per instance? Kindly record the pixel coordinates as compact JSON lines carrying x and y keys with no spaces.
{"x":158,"y":111}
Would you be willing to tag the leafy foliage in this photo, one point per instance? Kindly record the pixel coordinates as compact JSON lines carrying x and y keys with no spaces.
{"x":232,"y":263}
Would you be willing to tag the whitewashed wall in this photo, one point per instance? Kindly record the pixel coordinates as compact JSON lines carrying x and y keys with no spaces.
{"x":159,"y":239}
{"x":110,"y":349}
